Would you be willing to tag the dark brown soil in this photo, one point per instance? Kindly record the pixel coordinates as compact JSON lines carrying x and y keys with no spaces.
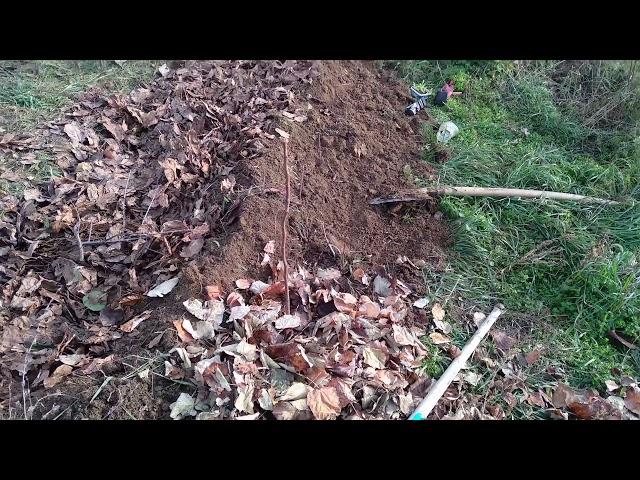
{"x":355,"y":145}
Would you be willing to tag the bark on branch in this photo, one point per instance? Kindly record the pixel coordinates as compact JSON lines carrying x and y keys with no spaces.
{"x":418,"y":194}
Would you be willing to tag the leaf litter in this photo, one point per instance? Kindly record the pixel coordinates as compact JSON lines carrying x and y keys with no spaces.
{"x":140,"y":193}
{"x":149,"y":181}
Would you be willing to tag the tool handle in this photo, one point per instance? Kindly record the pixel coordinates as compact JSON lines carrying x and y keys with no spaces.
{"x":438,"y":389}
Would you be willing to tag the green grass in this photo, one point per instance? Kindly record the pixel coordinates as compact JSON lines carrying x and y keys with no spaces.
{"x":575,"y":266}
{"x":32,"y":92}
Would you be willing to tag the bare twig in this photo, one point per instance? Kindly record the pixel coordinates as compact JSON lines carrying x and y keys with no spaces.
{"x":149,"y":207}
{"x":25,"y":386}
{"x":26,"y":390}
{"x":124,"y":203}
{"x":285,"y":219}
{"x":111,"y":240}
{"x":132,"y":237}
{"x":76,"y":233}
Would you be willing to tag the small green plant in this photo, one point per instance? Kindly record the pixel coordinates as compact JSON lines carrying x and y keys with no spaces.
{"x":435,"y":362}
{"x":422,"y":87}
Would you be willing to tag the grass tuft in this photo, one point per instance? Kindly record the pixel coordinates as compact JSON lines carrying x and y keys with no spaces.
{"x":576,"y":266}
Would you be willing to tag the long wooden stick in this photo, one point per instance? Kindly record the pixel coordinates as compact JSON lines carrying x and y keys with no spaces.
{"x":425,"y":194}
{"x":438,"y":389}
{"x":285,"y":219}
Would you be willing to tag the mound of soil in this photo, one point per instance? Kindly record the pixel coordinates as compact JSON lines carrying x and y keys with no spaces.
{"x":198,"y":159}
{"x":355,"y":144}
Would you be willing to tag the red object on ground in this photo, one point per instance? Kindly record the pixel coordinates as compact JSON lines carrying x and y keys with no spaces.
{"x":448,"y":88}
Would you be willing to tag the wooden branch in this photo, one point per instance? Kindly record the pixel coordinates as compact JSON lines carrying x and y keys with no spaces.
{"x":437,"y":390}
{"x":285,"y":219}
{"x":418,"y":194}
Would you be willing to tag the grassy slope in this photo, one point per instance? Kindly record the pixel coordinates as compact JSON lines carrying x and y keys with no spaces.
{"x":34,"y":91}
{"x":573,"y":267}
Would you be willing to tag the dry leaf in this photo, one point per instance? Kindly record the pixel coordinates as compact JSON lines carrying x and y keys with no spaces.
{"x":328,"y":274}
{"x":472,"y":378}
{"x":285,"y":411}
{"x":444,"y":327}
{"x":535,"y":399}
{"x":182,"y":333}
{"x":74,"y":132}
{"x":164,"y":70}
{"x":258,"y":287}
{"x":288,"y":321}
{"x":403,"y":335}
{"x":296,"y":391}
{"x":275,"y":290}
{"x":214,"y":292}
{"x":239,"y":312}
{"x":454,"y":352}
{"x":421,"y":302}
{"x":391,"y":379}
{"x":369,"y":309}
{"x":130,"y":300}
{"x":632,"y":400}
{"x":57,"y":376}
{"x":183,"y":407}
{"x":135,"y":321}
{"x":270,"y":247}
{"x":192,"y":248}
{"x":244,"y":401}
{"x":502,"y":340}
{"x":164,"y":288}
{"x":359,"y":274}
{"x":438,"y":338}
{"x":478,"y":318}
{"x":227,"y":184}
{"x":234,"y":299}
{"x":265,"y":400}
{"x":282,"y":133}
{"x":253,"y":416}
{"x":247,"y":350}
{"x":324,"y":403}
{"x":375,"y":357}
{"x":406,"y":403}
{"x":437,"y":311}
{"x":343,"y":389}
{"x":74,"y":360}
{"x":32,"y":194}
{"x":533,"y":356}
{"x":345,"y":302}
{"x":556,"y":414}
{"x":211,"y":311}
{"x":611,"y":385}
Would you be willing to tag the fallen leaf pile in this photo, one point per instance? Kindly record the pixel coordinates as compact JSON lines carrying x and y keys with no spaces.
{"x":336,"y":355}
{"x":147,"y":179}
{"x":622,"y":403}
